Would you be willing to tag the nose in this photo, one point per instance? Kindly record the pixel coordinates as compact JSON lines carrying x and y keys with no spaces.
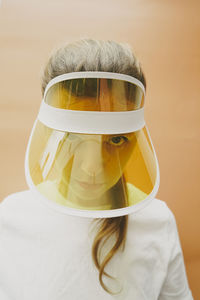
{"x":92,"y":161}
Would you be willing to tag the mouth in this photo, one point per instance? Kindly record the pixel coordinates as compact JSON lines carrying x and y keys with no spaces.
{"x":87,"y":185}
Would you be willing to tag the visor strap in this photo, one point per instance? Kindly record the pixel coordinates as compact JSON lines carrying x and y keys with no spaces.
{"x":92,"y":122}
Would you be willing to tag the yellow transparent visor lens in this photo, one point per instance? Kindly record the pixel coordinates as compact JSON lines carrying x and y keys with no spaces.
{"x":95,"y":94}
{"x":92,"y":171}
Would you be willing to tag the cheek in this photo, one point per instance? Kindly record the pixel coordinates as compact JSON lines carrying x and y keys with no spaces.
{"x":124,"y":156}
{"x":119,"y":158}
{"x":112,"y":164}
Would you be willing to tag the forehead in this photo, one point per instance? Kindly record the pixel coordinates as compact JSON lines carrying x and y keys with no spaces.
{"x":100,"y":137}
{"x":95,"y":95}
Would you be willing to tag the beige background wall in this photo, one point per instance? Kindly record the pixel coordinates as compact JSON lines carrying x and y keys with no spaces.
{"x":166,"y":38}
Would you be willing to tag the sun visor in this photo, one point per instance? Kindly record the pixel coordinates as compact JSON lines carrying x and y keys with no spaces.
{"x":90,"y":153}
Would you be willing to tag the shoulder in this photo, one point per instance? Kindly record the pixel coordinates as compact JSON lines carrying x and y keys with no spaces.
{"x":18,"y":195}
{"x":155,"y":219}
{"x":152,"y":232}
{"x":156,"y":210}
{"x":20,"y":207}
{"x":25,"y":210}
{"x":17,"y":201}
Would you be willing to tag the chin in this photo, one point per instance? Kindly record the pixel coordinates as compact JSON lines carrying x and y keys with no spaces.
{"x":87,"y":194}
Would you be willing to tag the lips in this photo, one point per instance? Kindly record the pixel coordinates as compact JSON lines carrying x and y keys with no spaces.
{"x":89,"y":185}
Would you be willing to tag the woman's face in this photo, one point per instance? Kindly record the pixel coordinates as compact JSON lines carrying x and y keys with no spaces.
{"x":94,"y":162}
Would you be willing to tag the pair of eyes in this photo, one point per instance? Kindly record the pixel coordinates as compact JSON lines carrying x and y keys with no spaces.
{"x":117,"y":140}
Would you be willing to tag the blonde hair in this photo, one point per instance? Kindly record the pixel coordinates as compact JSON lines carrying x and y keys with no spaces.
{"x":105,"y":56}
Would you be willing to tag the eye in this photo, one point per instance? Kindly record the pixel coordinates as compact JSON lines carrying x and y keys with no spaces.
{"x":118,"y":140}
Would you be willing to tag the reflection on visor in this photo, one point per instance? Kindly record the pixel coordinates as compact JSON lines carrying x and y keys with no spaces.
{"x":92,"y":171}
{"x":94,"y":94}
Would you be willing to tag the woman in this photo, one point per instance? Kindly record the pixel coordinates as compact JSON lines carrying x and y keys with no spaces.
{"x":93,"y":176}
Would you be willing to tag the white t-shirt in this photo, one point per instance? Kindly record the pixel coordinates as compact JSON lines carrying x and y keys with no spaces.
{"x":46,"y":255}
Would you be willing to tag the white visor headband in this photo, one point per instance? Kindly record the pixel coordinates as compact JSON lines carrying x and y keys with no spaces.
{"x":92,"y":122}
